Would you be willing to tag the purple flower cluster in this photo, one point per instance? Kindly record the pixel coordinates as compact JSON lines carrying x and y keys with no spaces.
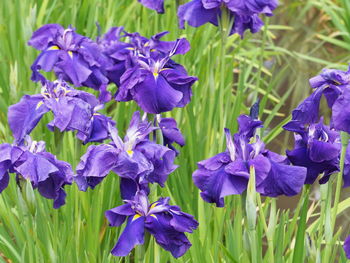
{"x":228,"y":172}
{"x":144,"y":71}
{"x":318,"y":146}
{"x":243,"y":14}
{"x":142,"y":68}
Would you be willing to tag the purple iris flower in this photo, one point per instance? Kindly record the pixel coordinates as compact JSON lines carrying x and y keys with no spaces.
{"x":136,"y":159}
{"x":171,"y":133}
{"x":243,"y":13}
{"x":346,"y":247}
{"x":157,"y":83}
{"x":165,"y":222}
{"x":157,"y":5}
{"x":228,"y":172}
{"x":71,"y":56}
{"x":317,"y":147}
{"x":334,"y":85}
{"x":30,"y":161}
{"x":73,"y":110}
{"x":125,"y":49}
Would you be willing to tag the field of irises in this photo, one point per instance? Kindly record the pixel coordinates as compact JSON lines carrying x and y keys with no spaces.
{"x":174,"y":131}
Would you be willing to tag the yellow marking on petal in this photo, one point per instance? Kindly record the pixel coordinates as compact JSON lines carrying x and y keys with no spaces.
{"x":153,"y":215}
{"x":130,"y":152}
{"x":153,"y":205}
{"x":153,"y":49}
{"x":147,"y":44}
{"x":70,"y":53}
{"x":46,"y":93}
{"x":56,"y":99}
{"x":97,"y":114}
{"x":164,"y":69}
{"x":130,"y":48}
{"x":39,"y":104}
{"x":155,"y":74}
{"x":54,"y":48}
{"x":135,"y":217}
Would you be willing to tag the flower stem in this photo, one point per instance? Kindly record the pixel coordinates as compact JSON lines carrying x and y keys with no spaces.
{"x":250,"y":204}
{"x":298,"y":254}
{"x":344,"y":141}
{"x":269,"y":234}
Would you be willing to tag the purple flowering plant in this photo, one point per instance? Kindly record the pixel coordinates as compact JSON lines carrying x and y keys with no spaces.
{"x":83,"y":106}
{"x":143,"y":71}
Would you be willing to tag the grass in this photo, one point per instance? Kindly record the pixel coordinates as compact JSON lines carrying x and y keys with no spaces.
{"x":274,"y":65}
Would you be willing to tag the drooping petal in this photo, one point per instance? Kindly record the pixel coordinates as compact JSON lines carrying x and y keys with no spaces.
{"x":320,"y":151}
{"x":70,"y":113}
{"x":116,"y":216}
{"x":300,"y":157}
{"x":171,"y":133}
{"x":162,"y":159}
{"x":262,"y":167}
{"x":308,"y":110}
{"x":210,"y":178}
{"x":195,"y":14}
{"x":155,"y":95}
{"x":157,"y":5}
{"x":132,"y":165}
{"x":283,"y":179}
{"x":25,"y":115}
{"x":132,"y":235}
{"x":45,"y":35}
{"x":180,"y":81}
{"x":166,"y":236}
{"x":98,"y":130}
{"x":341,"y":112}
{"x":181,"y":221}
{"x":237,"y":182}
{"x":35,"y":168}
{"x":95,"y":165}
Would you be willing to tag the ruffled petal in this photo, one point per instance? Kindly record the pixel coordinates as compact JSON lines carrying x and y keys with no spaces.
{"x":95,"y":165}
